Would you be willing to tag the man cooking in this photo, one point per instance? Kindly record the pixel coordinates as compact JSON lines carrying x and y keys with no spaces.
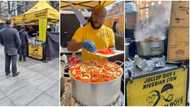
{"x":94,"y":35}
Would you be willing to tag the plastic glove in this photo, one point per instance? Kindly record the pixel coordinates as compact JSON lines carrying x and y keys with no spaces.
{"x":89,"y":45}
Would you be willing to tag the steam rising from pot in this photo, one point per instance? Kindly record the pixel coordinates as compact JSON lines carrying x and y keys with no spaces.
{"x":156,"y":24}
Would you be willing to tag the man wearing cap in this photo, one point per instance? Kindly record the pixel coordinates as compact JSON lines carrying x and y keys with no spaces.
{"x":9,"y":38}
{"x":94,"y":35}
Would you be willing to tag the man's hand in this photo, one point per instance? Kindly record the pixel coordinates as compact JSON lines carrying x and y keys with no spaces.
{"x":74,"y":46}
{"x":89,"y":45}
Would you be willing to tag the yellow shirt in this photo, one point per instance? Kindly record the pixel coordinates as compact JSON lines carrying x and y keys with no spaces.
{"x":103,"y":37}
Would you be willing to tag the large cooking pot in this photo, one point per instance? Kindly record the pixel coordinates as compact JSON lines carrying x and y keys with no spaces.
{"x":96,"y":94}
{"x":150,"y":48}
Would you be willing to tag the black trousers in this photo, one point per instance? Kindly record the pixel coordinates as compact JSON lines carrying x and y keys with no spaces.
{"x":22,"y":53}
{"x":10,"y":59}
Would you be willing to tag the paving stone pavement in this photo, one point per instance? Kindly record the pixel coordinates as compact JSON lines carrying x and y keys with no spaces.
{"x":37,"y":84}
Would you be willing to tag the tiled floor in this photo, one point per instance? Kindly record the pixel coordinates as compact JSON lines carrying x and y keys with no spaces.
{"x":37,"y":84}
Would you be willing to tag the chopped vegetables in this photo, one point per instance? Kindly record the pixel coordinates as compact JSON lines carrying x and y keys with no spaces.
{"x":74,"y":60}
{"x":105,"y":51}
{"x":95,"y":71}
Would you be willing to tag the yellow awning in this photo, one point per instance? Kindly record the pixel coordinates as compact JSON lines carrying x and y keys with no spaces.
{"x":17,"y":19}
{"x":41,"y":9}
{"x":85,"y":4}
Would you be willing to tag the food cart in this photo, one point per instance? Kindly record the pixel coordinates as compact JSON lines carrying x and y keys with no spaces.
{"x":161,"y":80}
{"x":42,"y":14}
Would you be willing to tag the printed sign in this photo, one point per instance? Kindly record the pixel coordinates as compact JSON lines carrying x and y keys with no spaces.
{"x":35,"y":51}
{"x":164,"y":89}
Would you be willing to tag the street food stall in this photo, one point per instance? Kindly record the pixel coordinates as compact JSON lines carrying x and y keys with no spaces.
{"x":158,"y":72}
{"x":42,"y":15}
{"x":76,"y":87}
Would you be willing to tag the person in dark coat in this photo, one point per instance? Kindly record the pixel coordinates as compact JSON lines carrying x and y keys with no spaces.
{"x":24,"y":43}
{"x":9,"y":38}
